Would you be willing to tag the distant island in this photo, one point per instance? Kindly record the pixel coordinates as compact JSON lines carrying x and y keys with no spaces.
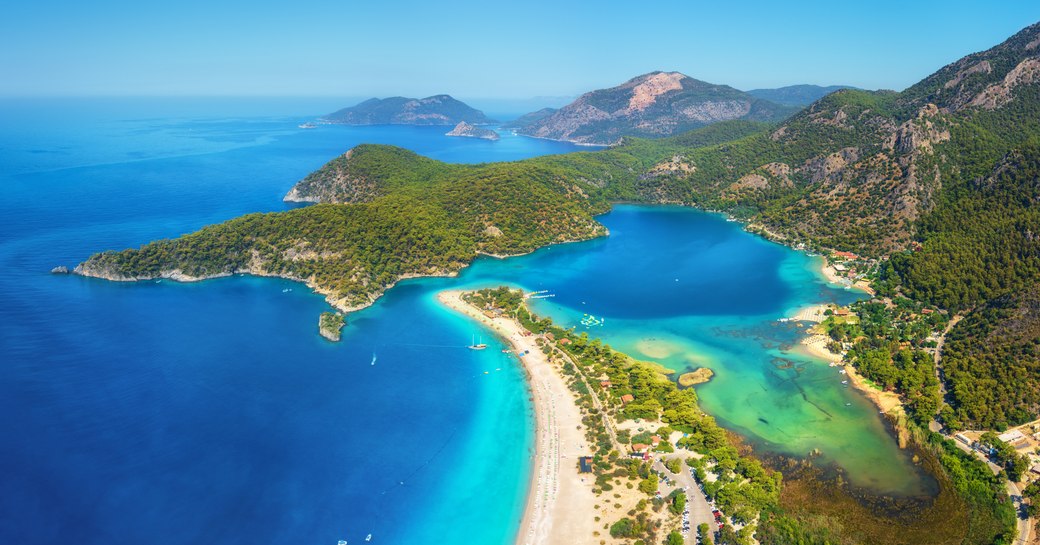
{"x":434,"y":110}
{"x":652,"y":105}
{"x":472,"y":131}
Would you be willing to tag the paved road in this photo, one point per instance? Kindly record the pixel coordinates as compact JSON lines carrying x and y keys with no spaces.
{"x":1025,"y":524}
{"x":697,"y":504}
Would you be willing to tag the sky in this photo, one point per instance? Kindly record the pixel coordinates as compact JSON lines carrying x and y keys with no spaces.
{"x":479,"y":49}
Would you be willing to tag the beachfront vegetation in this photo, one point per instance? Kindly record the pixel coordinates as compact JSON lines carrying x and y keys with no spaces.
{"x":888,"y":342}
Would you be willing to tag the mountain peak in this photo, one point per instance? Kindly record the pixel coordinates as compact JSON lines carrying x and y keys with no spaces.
{"x":649,"y":105}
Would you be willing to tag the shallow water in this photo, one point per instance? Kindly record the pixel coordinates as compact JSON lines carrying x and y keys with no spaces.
{"x":213,"y":412}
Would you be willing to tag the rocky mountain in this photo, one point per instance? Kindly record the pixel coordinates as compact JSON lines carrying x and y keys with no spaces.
{"x":796,"y":95}
{"x":435,"y":110}
{"x":652,"y":105}
{"x":471,"y":131}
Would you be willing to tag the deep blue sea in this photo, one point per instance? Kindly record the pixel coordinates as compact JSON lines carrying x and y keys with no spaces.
{"x":213,"y":412}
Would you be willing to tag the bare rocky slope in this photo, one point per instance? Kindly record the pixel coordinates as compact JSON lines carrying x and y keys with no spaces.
{"x":652,"y":105}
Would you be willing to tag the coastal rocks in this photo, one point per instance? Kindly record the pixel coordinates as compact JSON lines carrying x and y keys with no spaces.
{"x":60,"y":269}
{"x":472,"y":131}
{"x":330,"y":325}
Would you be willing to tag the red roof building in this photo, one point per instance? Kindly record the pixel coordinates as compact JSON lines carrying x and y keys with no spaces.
{"x":627,"y":398}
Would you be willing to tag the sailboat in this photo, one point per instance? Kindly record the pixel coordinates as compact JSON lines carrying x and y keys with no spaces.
{"x":477,"y":346}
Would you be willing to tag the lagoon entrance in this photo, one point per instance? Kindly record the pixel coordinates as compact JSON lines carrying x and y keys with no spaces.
{"x":687,"y":289}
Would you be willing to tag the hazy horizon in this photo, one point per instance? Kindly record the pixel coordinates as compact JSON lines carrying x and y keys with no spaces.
{"x":474,"y":51}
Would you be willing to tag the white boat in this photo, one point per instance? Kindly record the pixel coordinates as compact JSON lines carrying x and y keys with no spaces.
{"x":368,"y":537}
{"x":477,"y":346}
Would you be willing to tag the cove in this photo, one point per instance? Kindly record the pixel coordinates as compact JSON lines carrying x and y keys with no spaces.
{"x":688,"y":289}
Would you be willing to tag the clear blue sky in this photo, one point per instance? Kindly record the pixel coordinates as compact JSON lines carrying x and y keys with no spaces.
{"x":479,"y":49}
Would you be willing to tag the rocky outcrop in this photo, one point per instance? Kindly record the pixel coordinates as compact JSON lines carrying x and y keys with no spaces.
{"x":60,"y":269}
{"x":471,"y":131}
{"x":999,"y":94}
{"x":434,"y":110}
{"x":330,"y":325}
{"x":652,"y":105}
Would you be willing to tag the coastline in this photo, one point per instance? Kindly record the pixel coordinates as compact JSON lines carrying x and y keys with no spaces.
{"x":560,"y":504}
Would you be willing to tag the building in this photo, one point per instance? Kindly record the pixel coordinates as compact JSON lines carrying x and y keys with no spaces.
{"x":565,"y":342}
{"x":1012,"y":437}
{"x":605,"y":384}
{"x":627,"y":398}
{"x":585,"y":464}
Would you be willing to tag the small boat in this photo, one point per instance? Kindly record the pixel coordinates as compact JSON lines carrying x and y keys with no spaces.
{"x":341,"y":542}
{"x":844,"y":382}
{"x":477,"y":346}
{"x":368,"y":537}
{"x":373,"y":358}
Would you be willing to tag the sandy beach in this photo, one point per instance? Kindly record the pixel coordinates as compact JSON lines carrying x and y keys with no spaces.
{"x":560,"y":506}
{"x":832,"y":276}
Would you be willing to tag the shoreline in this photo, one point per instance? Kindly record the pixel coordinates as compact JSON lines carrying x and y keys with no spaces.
{"x":560,"y":505}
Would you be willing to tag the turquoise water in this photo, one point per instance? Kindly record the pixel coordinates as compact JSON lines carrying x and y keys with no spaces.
{"x":213,"y":412}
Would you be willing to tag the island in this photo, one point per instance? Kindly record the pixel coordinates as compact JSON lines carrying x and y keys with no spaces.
{"x":330,"y":325}
{"x":695,"y":377}
{"x":432,"y":110}
{"x":472,"y":131}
